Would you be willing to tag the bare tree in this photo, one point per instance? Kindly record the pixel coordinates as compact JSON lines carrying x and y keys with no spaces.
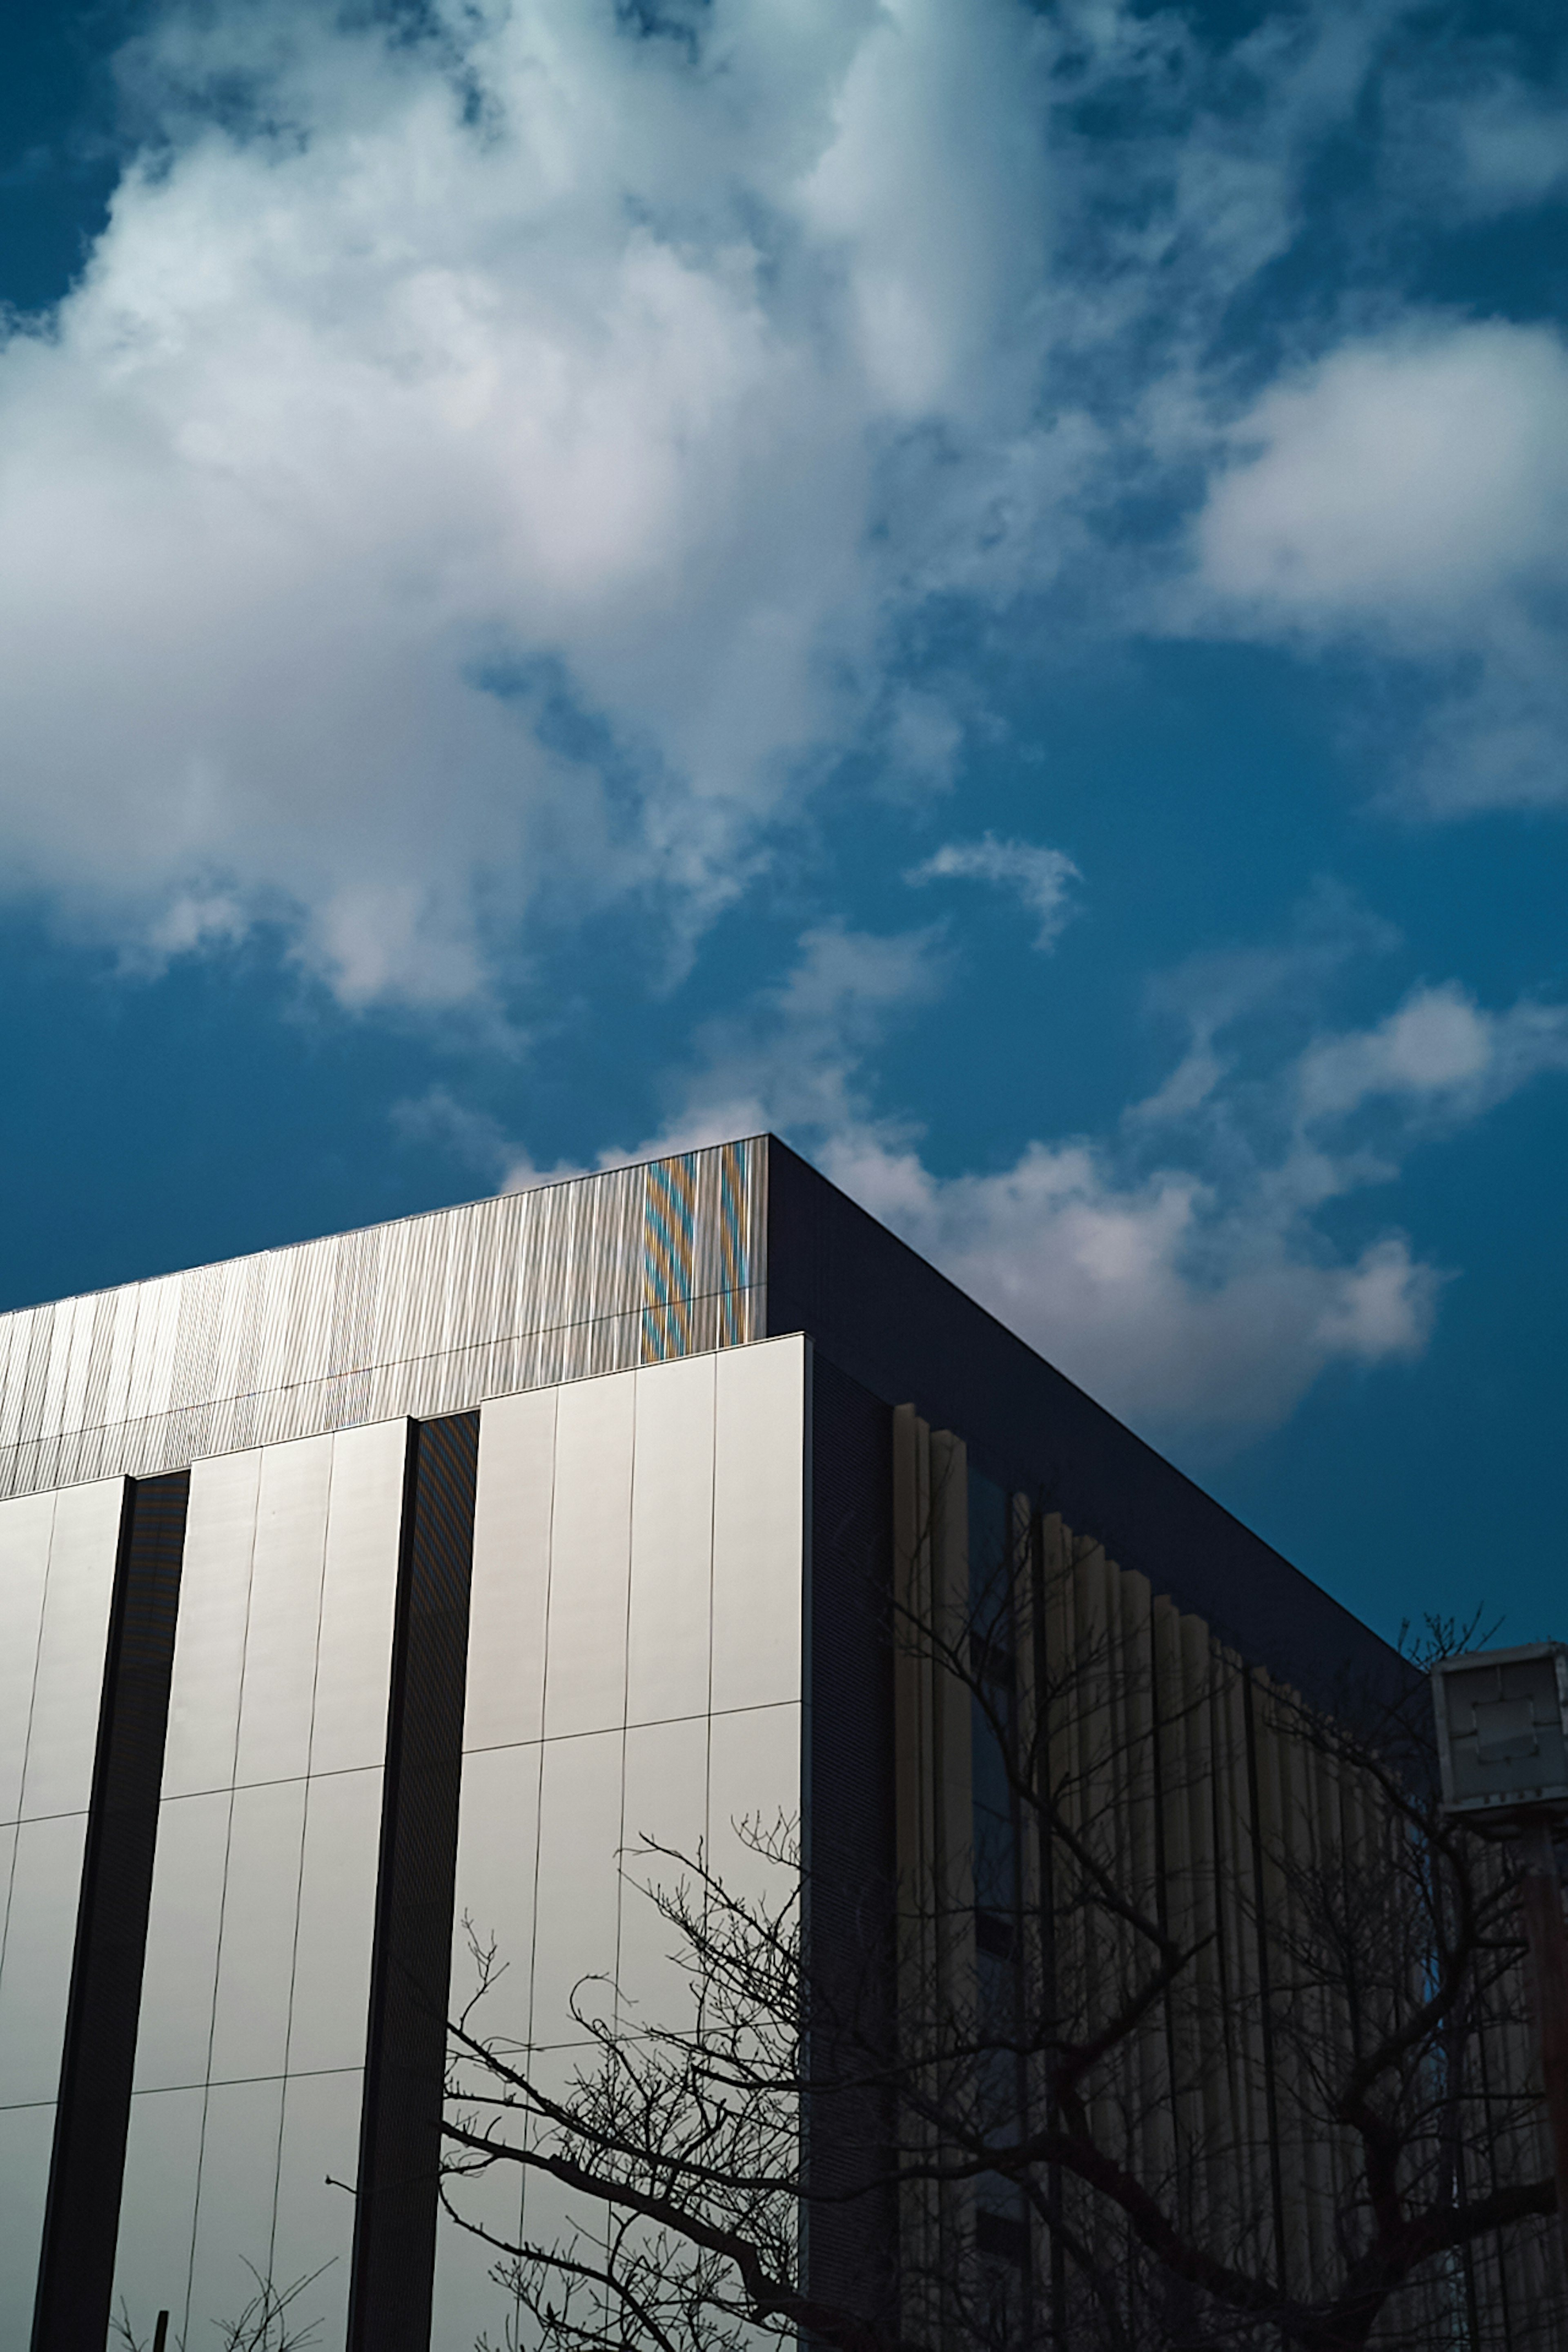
{"x":1188,"y":2020}
{"x":269,"y":2321}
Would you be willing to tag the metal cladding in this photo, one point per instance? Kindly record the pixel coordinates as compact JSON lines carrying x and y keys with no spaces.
{"x":425,"y":1317}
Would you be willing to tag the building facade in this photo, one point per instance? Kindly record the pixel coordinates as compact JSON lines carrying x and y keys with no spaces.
{"x":363,"y":1603}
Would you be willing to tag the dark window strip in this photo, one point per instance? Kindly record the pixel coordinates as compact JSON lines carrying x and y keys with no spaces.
{"x":76,"y":2273}
{"x":400,"y":2133}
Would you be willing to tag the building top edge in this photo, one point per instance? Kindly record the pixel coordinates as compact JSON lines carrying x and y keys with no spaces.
{"x":419,"y":1315}
{"x":385,"y":1224}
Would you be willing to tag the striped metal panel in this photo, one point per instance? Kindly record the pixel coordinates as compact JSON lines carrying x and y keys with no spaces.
{"x":425,"y":1317}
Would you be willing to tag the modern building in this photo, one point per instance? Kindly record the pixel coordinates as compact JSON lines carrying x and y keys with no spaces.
{"x":357,"y":1590}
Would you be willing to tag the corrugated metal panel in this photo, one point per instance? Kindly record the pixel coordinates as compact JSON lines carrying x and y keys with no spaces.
{"x":74,"y":1408}
{"x":425,"y":1317}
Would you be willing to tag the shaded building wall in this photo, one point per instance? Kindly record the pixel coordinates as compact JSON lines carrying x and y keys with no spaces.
{"x":852,"y":2228}
{"x":911,"y":1337}
{"x":1220,"y":1805}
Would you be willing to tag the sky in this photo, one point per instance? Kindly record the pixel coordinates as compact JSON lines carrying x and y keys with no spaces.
{"x":980,"y":585}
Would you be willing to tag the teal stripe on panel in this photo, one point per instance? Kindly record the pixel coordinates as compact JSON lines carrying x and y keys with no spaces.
{"x":669,"y":1251}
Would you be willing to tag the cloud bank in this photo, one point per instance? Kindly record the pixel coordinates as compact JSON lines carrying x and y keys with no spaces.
{"x":455,"y":467}
{"x":490,"y":471}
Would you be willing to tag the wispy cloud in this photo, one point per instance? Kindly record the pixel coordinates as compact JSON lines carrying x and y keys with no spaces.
{"x":1440,"y":1056}
{"x":1042,"y":878}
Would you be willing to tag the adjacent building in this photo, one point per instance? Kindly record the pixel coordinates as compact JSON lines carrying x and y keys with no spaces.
{"x":359,"y":1594}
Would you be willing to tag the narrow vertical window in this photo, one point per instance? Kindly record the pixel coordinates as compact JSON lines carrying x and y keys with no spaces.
{"x":76,"y":2273}
{"x":400,"y":2137}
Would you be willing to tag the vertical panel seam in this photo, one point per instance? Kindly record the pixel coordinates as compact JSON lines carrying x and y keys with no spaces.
{"x":626,"y":1700}
{"x":222,"y":1917}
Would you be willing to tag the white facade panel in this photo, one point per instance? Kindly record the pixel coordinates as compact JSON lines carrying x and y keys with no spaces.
{"x":759,"y":1524}
{"x":590,"y":1556}
{"x":337,"y":1914}
{"x":7,"y":1890}
{"x":318,"y":2162}
{"x":26,"y":2136}
{"x":754,"y":1779}
{"x":256,"y":1954}
{"x":359,"y":1592}
{"x":495,"y":1883}
{"x":233,"y":2208}
{"x":662,"y":1486}
{"x":26,"y":1525}
{"x":214,"y":1607}
{"x":670,"y":1623}
{"x":510,"y":1590}
{"x":35,"y":1972}
{"x":578,"y":1901}
{"x":158,"y":2209}
{"x":57,"y":1557}
{"x":279,"y":1690}
{"x":667,"y":1801}
{"x":469,"y":2303}
{"x":69,"y":1688}
{"x":184,"y":1929}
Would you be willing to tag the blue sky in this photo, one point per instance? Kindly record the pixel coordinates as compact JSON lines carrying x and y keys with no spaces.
{"x":981,"y":584}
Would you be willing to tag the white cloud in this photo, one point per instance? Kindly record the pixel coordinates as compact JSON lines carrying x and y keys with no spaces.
{"x":1409,"y":494}
{"x":456,"y":468}
{"x":1402,"y":480}
{"x":1179,"y":1315}
{"x":1470,"y":144}
{"x":1194,"y":1292}
{"x":497,"y":470}
{"x":1439,"y":1054}
{"x":1042,"y":878}
{"x":914,"y":203}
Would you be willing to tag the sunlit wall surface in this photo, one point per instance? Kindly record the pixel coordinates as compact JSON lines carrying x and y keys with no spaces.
{"x":58,"y":1558}
{"x":250,"y":2052}
{"x":634,"y":1670}
{"x":633,"y":1665}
